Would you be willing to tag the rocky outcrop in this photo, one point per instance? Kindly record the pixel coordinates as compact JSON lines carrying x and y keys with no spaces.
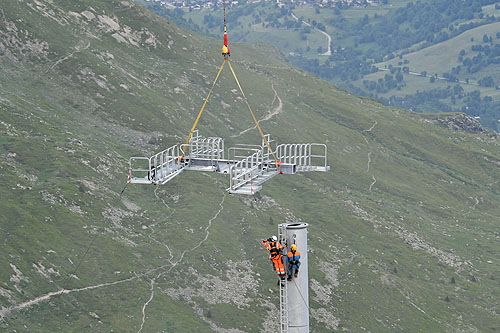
{"x":461,"y":122}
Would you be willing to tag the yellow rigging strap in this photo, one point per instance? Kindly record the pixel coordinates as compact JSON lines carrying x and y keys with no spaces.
{"x":253,"y":116}
{"x":248,"y":105}
{"x":202,"y":108}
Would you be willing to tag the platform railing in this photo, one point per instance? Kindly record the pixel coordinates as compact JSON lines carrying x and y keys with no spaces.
{"x":241,"y":151}
{"x":306,"y":156}
{"x":164,"y":165}
{"x":248,"y":164}
{"x":210,"y":148}
{"x":245,"y":171}
{"x":265,"y":149}
{"x":139,"y":170}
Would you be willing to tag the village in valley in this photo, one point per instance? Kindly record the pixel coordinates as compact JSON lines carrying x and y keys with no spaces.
{"x":209,"y":4}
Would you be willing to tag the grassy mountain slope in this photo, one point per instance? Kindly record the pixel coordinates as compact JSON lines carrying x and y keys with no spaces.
{"x":404,"y":228}
{"x":350,"y":47}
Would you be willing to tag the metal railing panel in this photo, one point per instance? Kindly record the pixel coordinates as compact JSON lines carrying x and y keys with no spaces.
{"x":164,"y":164}
{"x":245,"y":171}
{"x":139,"y":168}
{"x":211,"y":148}
{"x":306,"y":156}
{"x":241,"y":152}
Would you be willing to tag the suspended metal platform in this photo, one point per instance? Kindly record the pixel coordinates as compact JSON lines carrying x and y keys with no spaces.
{"x":248,"y":166}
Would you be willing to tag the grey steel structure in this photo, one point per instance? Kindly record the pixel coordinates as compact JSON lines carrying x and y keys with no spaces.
{"x":294,"y":295}
{"x":248,"y":166}
{"x":282,"y":239}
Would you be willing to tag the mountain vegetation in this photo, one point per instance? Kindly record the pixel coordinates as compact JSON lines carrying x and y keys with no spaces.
{"x":364,"y":41}
{"x":403,"y":230}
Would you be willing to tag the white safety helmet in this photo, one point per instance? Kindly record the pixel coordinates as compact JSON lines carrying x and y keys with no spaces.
{"x":274,"y":238}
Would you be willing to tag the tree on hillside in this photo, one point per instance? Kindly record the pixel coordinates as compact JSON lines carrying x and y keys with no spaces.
{"x":399,"y":77}
{"x":486,"y":81}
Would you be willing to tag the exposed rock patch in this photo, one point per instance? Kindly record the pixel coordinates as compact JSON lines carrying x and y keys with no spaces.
{"x":322,"y":315}
{"x":44,"y":271}
{"x":271,"y":322}
{"x":19,"y":46}
{"x":108,"y":23}
{"x":115,"y":215}
{"x":413,"y":240}
{"x":47,"y":9}
{"x":76,"y":209}
{"x":322,"y":293}
{"x":130,"y":205}
{"x":331,"y":272}
{"x":410,"y":238}
{"x":266,"y":202}
{"x":6,"y":294}
{"x":49,"y":197}
{"x":214,"y":290}
{"x":461,"y":122}
{"x":9,"y":129}
{"x":17,"y":278}
{"x":387,"y":280}
{"x":88,"y":15}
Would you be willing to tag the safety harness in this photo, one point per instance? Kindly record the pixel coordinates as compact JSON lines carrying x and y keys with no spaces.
{"x":294,"y":262}
{"x":274,"y":252}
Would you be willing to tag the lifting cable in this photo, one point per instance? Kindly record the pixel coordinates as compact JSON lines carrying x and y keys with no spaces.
{"x":253,"y":116}
{"x":226,"y":53}
{"x":302,"y":296}
{"x":249,"y":108}
{"x":201,"y":111}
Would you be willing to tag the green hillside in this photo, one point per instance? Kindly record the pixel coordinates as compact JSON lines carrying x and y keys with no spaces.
{"x":350,"y":43}
{"x":403,"y":229}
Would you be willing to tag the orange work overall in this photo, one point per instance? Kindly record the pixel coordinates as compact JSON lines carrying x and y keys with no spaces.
{"x":275,"y":256}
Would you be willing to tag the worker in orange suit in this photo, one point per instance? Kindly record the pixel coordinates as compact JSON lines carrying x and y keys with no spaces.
{"x":274,"y":247}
